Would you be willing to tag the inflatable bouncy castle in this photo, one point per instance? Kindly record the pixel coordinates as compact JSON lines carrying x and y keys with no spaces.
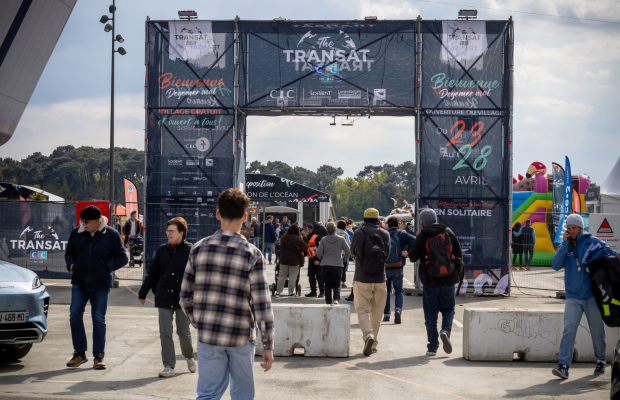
{"x":534,"y":194}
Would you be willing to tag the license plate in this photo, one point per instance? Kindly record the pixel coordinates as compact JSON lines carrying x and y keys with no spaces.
{"x":13,"y":317}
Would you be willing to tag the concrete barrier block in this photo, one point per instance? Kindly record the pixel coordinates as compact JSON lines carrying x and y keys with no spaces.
{"x":494,"y":334}
{"x":320,"y":330}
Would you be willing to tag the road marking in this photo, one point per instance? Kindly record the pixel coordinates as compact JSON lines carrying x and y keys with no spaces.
{"x":456,"y":321}
{"x":30,"y":380}
{"x":398,"y":379}
{"x":52,"y":381}
{"x":130,"y":289}
{"x":408,"y":282}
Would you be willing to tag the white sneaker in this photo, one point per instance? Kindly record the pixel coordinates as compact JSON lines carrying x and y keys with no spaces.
{"x":191,"y":365}
{"x":167,"y":372}
{"x":431,"y":353}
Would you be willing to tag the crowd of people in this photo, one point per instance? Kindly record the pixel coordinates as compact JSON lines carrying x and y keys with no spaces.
{"x":219,"y":285}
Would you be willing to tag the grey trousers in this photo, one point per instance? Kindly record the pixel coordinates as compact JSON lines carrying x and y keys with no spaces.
{"x":165,"y":334}
{"x":292,"y":271}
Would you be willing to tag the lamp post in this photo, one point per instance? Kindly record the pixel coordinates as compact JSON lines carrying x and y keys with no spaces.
{"x":115,"y":38}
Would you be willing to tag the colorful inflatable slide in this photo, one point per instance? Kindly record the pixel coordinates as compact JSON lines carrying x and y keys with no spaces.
{"x":537,"y":200}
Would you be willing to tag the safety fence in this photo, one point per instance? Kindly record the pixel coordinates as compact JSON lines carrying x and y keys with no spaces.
{"x":35,"y":235}
{"x":531,"y":254}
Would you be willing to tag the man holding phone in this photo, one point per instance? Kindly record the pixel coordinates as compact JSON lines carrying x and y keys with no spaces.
{"x":579,"y":298}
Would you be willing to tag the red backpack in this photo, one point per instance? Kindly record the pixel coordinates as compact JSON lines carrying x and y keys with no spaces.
{"x":440,"y":262}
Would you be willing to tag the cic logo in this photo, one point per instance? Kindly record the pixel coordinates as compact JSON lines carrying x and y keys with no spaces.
{"x":283,"y":94}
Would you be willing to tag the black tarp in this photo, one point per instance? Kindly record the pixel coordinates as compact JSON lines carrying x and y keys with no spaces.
{"x":262,"y":187}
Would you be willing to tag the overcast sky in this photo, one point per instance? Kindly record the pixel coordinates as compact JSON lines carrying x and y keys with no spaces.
{"x":567,"y":79}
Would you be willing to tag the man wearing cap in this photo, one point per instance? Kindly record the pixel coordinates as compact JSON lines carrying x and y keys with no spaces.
{"x":94,"y":252}
{"x":579,"y":299}
{"x":369,"y":289}
{"x":439,"y":292}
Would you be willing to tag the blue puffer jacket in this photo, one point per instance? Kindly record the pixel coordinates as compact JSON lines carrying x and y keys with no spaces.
{"x":577,"y":282}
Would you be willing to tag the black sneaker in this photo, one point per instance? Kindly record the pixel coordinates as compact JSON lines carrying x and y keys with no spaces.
{"x":321,"y":295}
{"x":397,"y":317}
{"x":350,"y":298}
{"x":368,"y":346}
{"x":311,"y":294}
{"x":600,"y":367}
{"x":445,"y":338}
{"x":386,"y":318}
{"x":561,"y":371}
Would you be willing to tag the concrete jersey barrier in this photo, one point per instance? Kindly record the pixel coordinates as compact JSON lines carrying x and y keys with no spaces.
{"x":321,"y":330}
{"x":494,"y":334}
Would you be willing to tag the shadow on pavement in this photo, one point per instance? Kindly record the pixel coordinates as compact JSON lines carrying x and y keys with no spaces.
{"x":559,"y":387}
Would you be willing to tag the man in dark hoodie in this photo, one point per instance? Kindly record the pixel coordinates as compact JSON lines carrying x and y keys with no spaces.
{"x":269,"y":236}
{"x":439,"y":292}
{"x":314,"y":269}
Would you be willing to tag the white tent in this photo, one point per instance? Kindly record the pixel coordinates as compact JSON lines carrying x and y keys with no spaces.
{"x":610,"y":191}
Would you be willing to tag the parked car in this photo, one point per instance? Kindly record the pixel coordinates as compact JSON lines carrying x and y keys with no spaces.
{"x":24,"y":303}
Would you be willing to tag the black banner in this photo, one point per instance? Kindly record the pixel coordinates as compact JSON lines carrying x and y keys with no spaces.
{"x":335,"y":64}
{"x":34,"y":235}
{"x":464,"y":142}
{"x":261,"y":187}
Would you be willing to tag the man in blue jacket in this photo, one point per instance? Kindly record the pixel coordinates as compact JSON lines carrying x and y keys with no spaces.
{"x":402,"y":242}
{"x":570,"y":255}
{"x":93,"y":253}
{"x":269,"y":237}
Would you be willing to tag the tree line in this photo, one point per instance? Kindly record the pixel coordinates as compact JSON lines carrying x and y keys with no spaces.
{"x":77,"y":174}
{"x":374,"y":186}
{"x":84,"y":174}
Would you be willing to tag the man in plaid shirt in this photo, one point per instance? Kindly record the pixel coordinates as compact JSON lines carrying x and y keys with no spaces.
{"x":226,"y":297}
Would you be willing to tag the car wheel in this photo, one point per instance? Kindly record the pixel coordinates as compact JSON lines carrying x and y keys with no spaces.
{"x":10,"y":353}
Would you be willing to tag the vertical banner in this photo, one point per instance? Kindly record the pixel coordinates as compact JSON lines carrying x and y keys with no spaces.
{"x":558,"y":194}
{"x":567,"y":203}
{"x":131,"y":198}
{"x":464,"y":143}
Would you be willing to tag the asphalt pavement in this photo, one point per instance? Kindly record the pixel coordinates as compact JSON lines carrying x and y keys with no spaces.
{"x":400,"y":368}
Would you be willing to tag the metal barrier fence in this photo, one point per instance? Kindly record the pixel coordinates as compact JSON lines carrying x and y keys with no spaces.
{"x":34,"y":235}
{"x":532,"y":270}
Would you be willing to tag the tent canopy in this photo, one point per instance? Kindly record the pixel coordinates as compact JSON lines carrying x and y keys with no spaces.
{"x":611,"y":185}
{"x":281,"y":210}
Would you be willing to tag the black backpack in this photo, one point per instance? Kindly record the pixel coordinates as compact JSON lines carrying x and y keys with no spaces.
{"x":605,"y":285}
{"x":375,"y":253}
{"x":440,"y":262}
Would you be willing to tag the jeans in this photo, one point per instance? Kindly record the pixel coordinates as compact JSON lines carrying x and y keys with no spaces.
{"x":514,"y":258}
{"x":99,"y":305}
{"x":528,"y":248}
{"x":256,"y":241}
{"x":436,"y":299}
{"x":369,"y":302}
{"x":331,"y":276}
{"x":268,"y":250}
{"x":217,"y":365}
{"x":573,"y":310}
{"x":315,"y":275}
{"x":165,"y":334}
{"x":394,"y":277}
{"x":292,"y":271}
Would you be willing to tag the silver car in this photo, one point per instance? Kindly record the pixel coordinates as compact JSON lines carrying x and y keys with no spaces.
{"x":24,"y":304}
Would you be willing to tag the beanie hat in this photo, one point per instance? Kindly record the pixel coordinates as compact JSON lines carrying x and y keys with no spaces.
{"x":90,"y":213}
{"x":428,"y":216}
{"x":371,"y":213}
{"x":574,"y":219}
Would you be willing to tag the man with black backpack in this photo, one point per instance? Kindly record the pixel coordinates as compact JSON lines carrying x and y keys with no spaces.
{"x":400,"y":243}
{"x":439,"y":252}
{"x":370,"y":245}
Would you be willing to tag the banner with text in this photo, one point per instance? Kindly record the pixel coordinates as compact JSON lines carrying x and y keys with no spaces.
{"x":464,"y":143}
{"x":333,"y":64}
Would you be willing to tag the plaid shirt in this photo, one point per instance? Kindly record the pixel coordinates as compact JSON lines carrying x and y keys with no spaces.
{"x":225,"y":293}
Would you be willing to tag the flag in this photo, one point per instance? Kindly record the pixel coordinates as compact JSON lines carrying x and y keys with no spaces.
{"x":558,"y":192}
{"x":567,"y":203}
{"x":131,"y":197}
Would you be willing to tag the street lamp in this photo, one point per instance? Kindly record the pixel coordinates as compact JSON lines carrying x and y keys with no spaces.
{"x":118,"y":38}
